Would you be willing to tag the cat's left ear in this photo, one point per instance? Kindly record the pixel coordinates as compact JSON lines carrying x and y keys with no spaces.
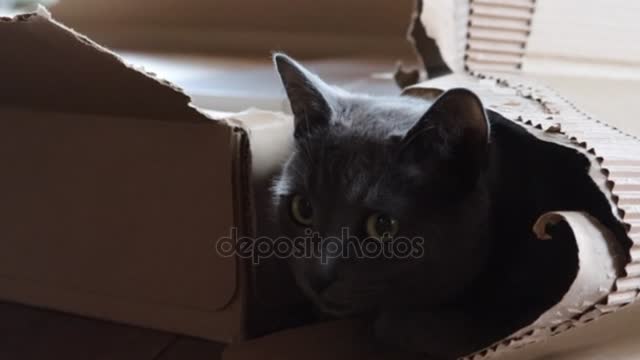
{"x":455,"y":127}
{"x":310,"y":98}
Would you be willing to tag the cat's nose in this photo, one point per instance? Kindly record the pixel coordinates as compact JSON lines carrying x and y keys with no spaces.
{"x":322,"y":276}
{"x":320,"y":283}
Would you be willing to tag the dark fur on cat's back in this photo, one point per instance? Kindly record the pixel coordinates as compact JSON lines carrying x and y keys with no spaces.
{"x":446,"y":172}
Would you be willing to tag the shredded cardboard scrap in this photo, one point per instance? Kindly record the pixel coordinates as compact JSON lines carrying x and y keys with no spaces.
{"x":597,"y":255}
{"x":481,"y":35}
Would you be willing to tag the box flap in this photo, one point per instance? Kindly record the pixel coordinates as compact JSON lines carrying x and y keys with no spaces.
{"x":512,"y":36}
{"x":47,"y":66}
{"x":116,"y":189}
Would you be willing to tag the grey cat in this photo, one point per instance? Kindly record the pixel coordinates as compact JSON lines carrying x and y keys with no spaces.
{"x":447,"y":172}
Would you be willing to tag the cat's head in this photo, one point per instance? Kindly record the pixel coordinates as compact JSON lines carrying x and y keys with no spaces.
{"x":385,"y":196}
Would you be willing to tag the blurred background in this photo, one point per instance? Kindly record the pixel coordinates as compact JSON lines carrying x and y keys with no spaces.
{"x":218,"y":51}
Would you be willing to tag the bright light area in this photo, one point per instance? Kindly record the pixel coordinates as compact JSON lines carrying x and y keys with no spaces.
{"x":14,"y":7}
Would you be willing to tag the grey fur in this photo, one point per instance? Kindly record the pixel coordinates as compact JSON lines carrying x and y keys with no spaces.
{"x":402,"y":156}
{"x":468,"y":181}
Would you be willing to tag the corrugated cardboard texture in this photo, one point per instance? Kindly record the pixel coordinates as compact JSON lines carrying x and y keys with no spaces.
{"x":614,"y":160}
{"x":553,"y":37}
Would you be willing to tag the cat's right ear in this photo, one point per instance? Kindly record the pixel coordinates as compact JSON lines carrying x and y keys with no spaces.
{"x":455,"y":129}
{"x":310,"y":97}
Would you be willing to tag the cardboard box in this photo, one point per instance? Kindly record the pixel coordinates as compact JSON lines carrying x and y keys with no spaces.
{"x":116,"y":189}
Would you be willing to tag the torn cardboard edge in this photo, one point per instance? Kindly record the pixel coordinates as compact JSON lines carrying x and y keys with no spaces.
{"x":139,"y":79}
{"x":438,"y":34}
{"x":89,"y":78}
{"x":511,"y":36}
{"x":557,"y":120}
{"x":425,"y":47}
{"x":612,"y":299}
{"x":471,"y":35}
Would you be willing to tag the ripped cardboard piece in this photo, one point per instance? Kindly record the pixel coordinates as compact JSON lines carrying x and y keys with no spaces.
{"x":476,"y":35}
{"x":613,"y":157}
{"x":350,"y":339}
{"x":512,"y":36}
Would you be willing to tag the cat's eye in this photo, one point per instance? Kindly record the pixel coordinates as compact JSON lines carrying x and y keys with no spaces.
{"x":301,"y":210}
{"x":381,"y":226}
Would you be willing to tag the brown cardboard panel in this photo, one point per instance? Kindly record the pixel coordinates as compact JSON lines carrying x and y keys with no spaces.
{"x":46,"y":66}
{"x":116,"y":189}
{"x":224,"y":326}
{"x":99,"y":210}
{"x":29,"y":333}
{"x":614,"y":337}
{"x":192,"y":349}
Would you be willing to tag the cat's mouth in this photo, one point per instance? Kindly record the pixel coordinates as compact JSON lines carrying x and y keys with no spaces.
{"x":328,"y":304}
{"x":335,"y":309}
{"x":335,"y":298}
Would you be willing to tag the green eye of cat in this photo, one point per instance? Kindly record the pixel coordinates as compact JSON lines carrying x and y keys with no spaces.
{"x":301,"y":210}
{"x":381,"y":226}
